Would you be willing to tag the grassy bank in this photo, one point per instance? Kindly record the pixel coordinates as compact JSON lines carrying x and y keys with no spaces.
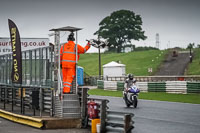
{"x":194,"y":67}
{"x":160,"y":96}
{"x":136,"y":62}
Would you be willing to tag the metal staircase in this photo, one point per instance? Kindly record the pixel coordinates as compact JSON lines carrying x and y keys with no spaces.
{"x":69,"y":105}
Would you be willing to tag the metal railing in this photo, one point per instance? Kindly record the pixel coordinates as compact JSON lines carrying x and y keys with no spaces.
{"x":112,"y":121}
{"x":37,"y":81}
{"x":28,"y":101}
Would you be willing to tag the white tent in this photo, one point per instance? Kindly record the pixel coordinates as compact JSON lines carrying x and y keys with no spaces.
{"x":113,"y":69}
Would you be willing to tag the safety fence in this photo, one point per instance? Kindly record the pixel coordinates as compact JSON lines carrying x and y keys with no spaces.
{"x":35,"y":93}
{"x":37,"y":67}
{"x":167,"y":86}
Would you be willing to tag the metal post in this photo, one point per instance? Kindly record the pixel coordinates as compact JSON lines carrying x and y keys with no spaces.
{"x":56,"y":60}
{"x":6,"y":64}
{"x":4,"y":98}
{"x":47,"y":66}
{"x":40,"y":64}
{"x":35,"y":66}
{"x":99,"y":63}
{"x":41,"y":101}
{"x":103,"y":109}
{"x":84,"y":102}
{"x":127,"y":123}
{"x":25,"y":67}
{"x":4,"y":69}
{"x":0,"y":69}
{"x":23,"y":96}
{"x":52,"y":103}
{"x":0,"y":93}
{"x":12,"y":99}
{"x":51,"y":76}
{"x":76,"y":61}
{"x":42,"y":68}
{"x":30,"y":66}
{"x":21,"y":100}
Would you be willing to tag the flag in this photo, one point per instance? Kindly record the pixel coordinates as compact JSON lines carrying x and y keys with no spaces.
{"x":16,"y":74}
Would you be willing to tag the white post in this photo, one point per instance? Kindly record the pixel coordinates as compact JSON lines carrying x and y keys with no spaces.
{"x":57,"y":61}
{"x":76,"y":59}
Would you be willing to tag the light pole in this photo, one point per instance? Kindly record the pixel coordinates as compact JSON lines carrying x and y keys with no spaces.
{"x":99,"y":44}
{"x":99,"y":62}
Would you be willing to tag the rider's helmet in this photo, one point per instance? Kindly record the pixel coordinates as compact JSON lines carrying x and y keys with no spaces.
{"x":130,"y":76}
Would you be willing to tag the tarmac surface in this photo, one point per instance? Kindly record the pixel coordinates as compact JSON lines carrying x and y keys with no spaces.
{"x":159,"y":116}
{"x":174,"y":65}
{"x":150,"y":117}
{"x":7,"y":126}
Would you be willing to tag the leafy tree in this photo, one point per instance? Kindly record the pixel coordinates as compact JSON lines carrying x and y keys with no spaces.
{"x":119,"y":28}
{"x":190,"y":46}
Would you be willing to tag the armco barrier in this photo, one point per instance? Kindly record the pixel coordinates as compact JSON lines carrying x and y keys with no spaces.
{"x":112,"y":121}
{"x":119,"y":122}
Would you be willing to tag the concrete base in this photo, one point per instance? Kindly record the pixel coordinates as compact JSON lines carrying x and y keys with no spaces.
{"x":59,"y":123}
{"x":42,"y":122}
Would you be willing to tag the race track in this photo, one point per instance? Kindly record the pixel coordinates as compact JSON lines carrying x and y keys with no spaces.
{"x":160,"y":117}
{"x":150,"y":117}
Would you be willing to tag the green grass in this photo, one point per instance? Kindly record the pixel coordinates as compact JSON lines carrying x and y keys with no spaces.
{"x":136,"y":62}
{"x":160,"y":96}
{"x":194,"y":67}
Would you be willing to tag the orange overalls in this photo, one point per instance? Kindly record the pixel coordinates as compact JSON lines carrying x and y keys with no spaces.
{"x":68,"y":62}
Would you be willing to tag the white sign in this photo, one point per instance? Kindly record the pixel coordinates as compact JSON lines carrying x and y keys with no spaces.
{"x":26,"y":43}
{"x":150,"y":70}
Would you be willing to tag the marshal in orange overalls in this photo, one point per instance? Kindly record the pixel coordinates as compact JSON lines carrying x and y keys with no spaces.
{"x":68,"y":62}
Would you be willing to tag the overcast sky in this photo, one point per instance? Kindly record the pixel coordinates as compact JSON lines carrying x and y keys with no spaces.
{"x":176,"y":21}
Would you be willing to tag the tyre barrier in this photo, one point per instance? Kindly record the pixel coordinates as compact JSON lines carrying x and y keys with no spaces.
{"x":182,"y":87}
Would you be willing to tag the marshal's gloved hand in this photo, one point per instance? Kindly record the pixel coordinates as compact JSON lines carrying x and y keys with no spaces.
{"x":97,"y":43}
{"x":91,"y":42}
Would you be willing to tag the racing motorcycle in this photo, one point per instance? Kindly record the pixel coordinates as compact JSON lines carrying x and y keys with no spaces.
{"x":131,"y":96}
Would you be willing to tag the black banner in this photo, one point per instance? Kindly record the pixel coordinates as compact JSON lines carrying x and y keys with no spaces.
{"x":16,"y":74}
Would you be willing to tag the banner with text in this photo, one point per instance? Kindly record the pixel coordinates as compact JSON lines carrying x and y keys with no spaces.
{"x":16,"y":74}
{"x":26,"y":44}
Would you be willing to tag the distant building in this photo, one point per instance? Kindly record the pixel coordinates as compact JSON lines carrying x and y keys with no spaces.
{"x":128,"y":48}
{"x":114,"y":69}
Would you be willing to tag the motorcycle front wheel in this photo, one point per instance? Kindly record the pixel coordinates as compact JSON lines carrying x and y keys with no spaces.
{"x":135,"y":101}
